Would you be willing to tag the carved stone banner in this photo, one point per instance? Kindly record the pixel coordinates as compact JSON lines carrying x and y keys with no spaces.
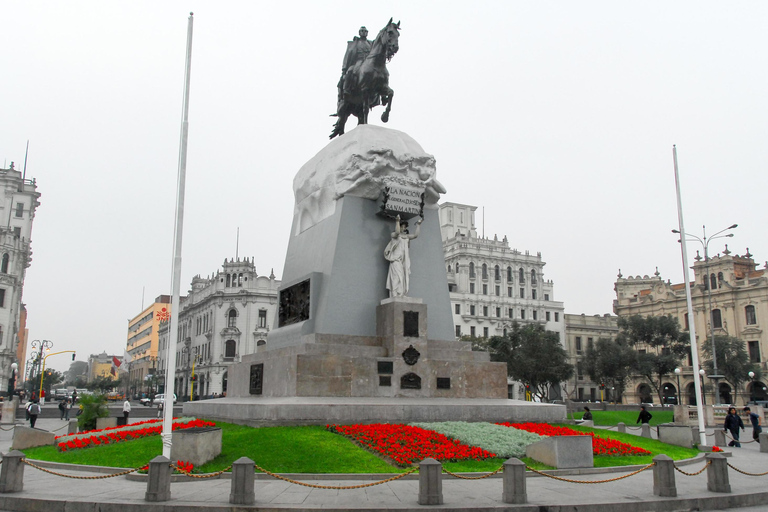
{"x":407,"y":201}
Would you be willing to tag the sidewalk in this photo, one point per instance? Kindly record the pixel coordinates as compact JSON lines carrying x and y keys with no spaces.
{"x":635,"y":493}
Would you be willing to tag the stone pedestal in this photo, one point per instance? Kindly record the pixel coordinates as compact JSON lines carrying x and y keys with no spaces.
{"x":196,"y":445}
{"x":563,"y":452}
{"x":9,"y":411}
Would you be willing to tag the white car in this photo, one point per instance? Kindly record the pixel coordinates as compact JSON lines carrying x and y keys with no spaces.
{"x":159,"y":399}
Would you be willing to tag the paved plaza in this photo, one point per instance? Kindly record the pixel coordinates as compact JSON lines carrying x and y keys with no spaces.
{"x":43,"y":491}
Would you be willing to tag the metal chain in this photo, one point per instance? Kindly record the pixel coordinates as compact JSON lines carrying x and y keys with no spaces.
{"x":315,"y":486}
{"x":744,"y":472}
{"x":472,"y":477}
{"x":206,"y":475}
{"x":649,"y":466}
{"x":696,"y":473}
{"x":100,"y":477}
{"x":7,"y":429}
{"x":738,"y":441}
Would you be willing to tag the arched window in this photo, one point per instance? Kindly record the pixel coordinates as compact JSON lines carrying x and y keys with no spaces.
{"x":4,"y":264}
{"x":713,"y":281}
{"x":232,"y":318}
{"x":240,"y":280}
{"x":533,"y":276}
{"x":717,"y":319}
{"x":457,"y":268}
{"x":719,"y":279}
{"x":261,"y":343}
{"x":687,"y":326}
{"x":228,"y":282}
{"x":497,"y":273}
{"x":509,"y":274}
{"x":230,"y":348}
{"x":485,"y":271}
{"x":471,"y":269}
{"x":449,"y":269}
{"x":521,"y":275}
{"x":751,"y":316}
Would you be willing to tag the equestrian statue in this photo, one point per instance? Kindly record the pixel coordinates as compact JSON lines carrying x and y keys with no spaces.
{"x":364,"y":81}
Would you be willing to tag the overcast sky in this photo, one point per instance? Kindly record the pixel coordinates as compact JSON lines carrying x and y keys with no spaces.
{"x":557,"y":117}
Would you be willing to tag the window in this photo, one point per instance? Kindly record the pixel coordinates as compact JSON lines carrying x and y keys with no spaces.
{"x":19,"y":210}
{"x":472,"y":331}
{"x":485,"y":289}
{"x":522,"y":314}
{"x":17,"y":231}
{"x":717,"y":319}
{"x":485,"y":310}
{"x":511,"y":312}
{"x":457,"y":268}
{"x":713,"y":281}
{"x":578,"y":344}
{"x":498,"y":312}
{"x":498,"y":290}
{"x":533,"y":277}
{"x":228,"y":283}
{"x":4,"y":264}
{"x":471,"y":269}
{"x":472,"y":309}
{"x":263,"y":318}
{"x":509,"y":274}
{"x":546,"y":316}
{"x":533,"y":294}
{"x":509,"y":291}
{"x":240,"y":280}
{"x":497,"y":273}
{"x":457,"y":307}
{"x":449,"y":269}
{"x":535,"y":314}
{"x":485,"y":332}
{"x":230,"y":348}
{"x":521,"y":275}
{"x":754,"y":351}
{"x":580,"y":373}
{"x":522,"y":293}
{"x":749,"y":311}
{"x":2,"y":298}
{"x":232,"y":318}
{"x":458,"y":331}
{"x":471,"y":287}
{"x":485,"y":271}
{"x":719,"y":279}
{"x":546,"y":296}
{"x":261,"y":343}
{"x":557,"y":317}
{"x":685,"y":322}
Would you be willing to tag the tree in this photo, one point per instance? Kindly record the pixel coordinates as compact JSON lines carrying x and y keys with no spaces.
{"x":662,"y":342}
{"x":534,"y":357}
{"x":51,"y":378}
{"x":77,"y":375}
{"x":733,"y":362}
{"x":94,"y":406}
{"x":610,"y":362}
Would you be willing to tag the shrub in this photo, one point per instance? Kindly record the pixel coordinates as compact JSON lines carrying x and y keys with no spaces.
{"x":92,"y":406}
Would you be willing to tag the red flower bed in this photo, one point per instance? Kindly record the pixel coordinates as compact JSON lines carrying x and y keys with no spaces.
{"x":600,"y":446}
{"x":405,"y":444}
{"x":112,"y":435}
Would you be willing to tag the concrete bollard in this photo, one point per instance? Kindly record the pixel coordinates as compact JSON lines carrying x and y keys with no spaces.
{"x":12,"y":472}
{"x":242,"y":492}
{"x":645,"y":430}
{"x":622,"y":427}
{"x":514,"y":482}
{"x":664,"y":476}
{"x":72,"y":427}
{"x":717,"y":473}
{"x":719,"y":437}
{"x":430,"y":482}
{"x":763,"y":437}
{"x":159,"y":481}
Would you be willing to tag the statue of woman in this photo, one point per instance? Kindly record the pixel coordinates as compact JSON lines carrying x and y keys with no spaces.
{"x":399,"y":259}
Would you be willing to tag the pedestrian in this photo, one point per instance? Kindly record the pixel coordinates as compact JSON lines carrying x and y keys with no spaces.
{"x":34,"y":409}
{"x":67,"y":408}
{"x":160,"y":410}
{"x":126,"y":410}
{"x":755,"y":419}
{"x":645,"y":416}
{"x":74,"y":396}
{"x":732,"y":424}
{"x":587,"y":415}
{"x":62,"y":409}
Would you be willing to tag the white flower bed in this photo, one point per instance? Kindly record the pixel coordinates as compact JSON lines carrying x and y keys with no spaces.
{"x":505,"y":442}
{"x":135,"y":426}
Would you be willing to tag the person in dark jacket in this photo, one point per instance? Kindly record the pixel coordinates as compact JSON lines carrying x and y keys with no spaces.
{"x":755,"y":419}
{"x":644,"y":416}
{"x":732,"y":424}
{"x":587,"y":415}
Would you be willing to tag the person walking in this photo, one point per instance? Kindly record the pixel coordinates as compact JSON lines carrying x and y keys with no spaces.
{"x":34,"y":410}
{"x":732,"y":424}
{"x":754,"y":418}
{"x":645,"y":416}
{"x":74,"y":396}
{"x":160,"y":409}
{"x":62,"y":408}
{"x":126,"y":410}
{"x":67,"y":408}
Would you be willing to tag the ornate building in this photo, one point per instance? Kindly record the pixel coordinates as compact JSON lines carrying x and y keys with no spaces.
{"x":729,"y":286}
{"x":141,"y":345}
{"x":580,"y":331}
{"x":222,"y":318}
{"x":491,"y":285}
{"x":18,"y":205}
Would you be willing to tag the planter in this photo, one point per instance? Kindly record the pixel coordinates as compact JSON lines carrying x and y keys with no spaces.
{"x":197,"y":445}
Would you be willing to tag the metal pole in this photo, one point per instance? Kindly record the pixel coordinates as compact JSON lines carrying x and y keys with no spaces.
{"x":691,"y":322}
{"x":715,"y":375}
{"x":173,"y":335}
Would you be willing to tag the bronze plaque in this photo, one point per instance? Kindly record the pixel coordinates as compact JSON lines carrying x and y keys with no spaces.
{"x":257,"y":378}
{"x":410,"y":381}
{"x":411,"y":324}
{"x":294,"y":304}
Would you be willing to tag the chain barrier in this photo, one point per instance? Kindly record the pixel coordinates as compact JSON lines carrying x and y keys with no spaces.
{"x":60,"y":428}
{"x":738,"y":441}
{"x":100,"y":477}
{"x":649,"y":466}
{"x":7,"y":429}
{"x":315,"y":486}
{"x":634,"y":428}
{"x":456,"y":475}
{"x":205,"y":475}
{"x":746,"y":473}
{"x":696,"y":473}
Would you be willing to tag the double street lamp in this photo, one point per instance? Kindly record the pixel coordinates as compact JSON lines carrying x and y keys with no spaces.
{"x":709,"y":284}
{"x":678,"y":371}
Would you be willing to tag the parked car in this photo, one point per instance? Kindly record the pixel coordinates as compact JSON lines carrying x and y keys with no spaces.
{"x":62,"y":394}
{"x":159,"y":399}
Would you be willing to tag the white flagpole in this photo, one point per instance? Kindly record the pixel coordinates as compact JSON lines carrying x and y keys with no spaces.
{"x":691,"y":319}
{"x":173,"y":335}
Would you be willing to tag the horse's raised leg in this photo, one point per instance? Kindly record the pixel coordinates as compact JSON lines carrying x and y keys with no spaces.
{"x":385,"y":115}
{"x":338,"y":128}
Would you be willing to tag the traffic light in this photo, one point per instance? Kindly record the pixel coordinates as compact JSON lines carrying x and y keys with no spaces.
{"x":73,"y":356}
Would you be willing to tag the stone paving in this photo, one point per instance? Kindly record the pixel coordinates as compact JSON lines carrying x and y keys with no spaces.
{"x":47,"y":492}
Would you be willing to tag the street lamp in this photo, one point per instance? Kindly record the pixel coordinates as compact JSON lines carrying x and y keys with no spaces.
{"x":678,"y":371}
{"x":708,"y":283}
{"x":751,"y":386}
{"x":39,"y":346}
{"x":703,"y":374}
{"x":12,"y":380}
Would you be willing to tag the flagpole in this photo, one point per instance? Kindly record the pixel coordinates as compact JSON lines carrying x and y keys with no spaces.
{"x":691,"y":319}
{"x":173,"y":335}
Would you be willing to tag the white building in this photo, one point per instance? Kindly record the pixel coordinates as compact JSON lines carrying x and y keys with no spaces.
{"x":222,"y":318}
{"x":17,"y":208}
{"x":491,"y":285}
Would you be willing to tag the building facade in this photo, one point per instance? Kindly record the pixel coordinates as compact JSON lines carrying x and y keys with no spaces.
{"x":19,"y":202}
{"x":141,"y":345}
{"x":101,"y":365}
{"x":221,"y":319}
{"x":492,"y":285}
{"x":580,"y":332}
{"x":727,"y":288}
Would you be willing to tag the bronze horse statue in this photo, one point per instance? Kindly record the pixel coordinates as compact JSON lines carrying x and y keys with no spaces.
{"x":366,"y":84}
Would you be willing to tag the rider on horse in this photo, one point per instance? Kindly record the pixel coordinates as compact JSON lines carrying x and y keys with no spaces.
{"x":357,"y":50}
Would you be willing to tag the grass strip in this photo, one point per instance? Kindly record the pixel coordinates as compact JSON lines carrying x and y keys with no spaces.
{"x":629,"y":418}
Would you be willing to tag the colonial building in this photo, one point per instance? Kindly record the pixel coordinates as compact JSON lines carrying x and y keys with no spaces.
{"x":17,"y":207}
{"x":222,"y":318}
{"x":492,"y":285}
{"x":580,"y":332}
{"x":101,"y":365}
{"x":142,"y":342}
{"x":728,"y":286}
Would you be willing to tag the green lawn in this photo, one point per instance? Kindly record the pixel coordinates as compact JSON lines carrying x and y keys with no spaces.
{"x":629,"y":418}
{"x":310,"y":449}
